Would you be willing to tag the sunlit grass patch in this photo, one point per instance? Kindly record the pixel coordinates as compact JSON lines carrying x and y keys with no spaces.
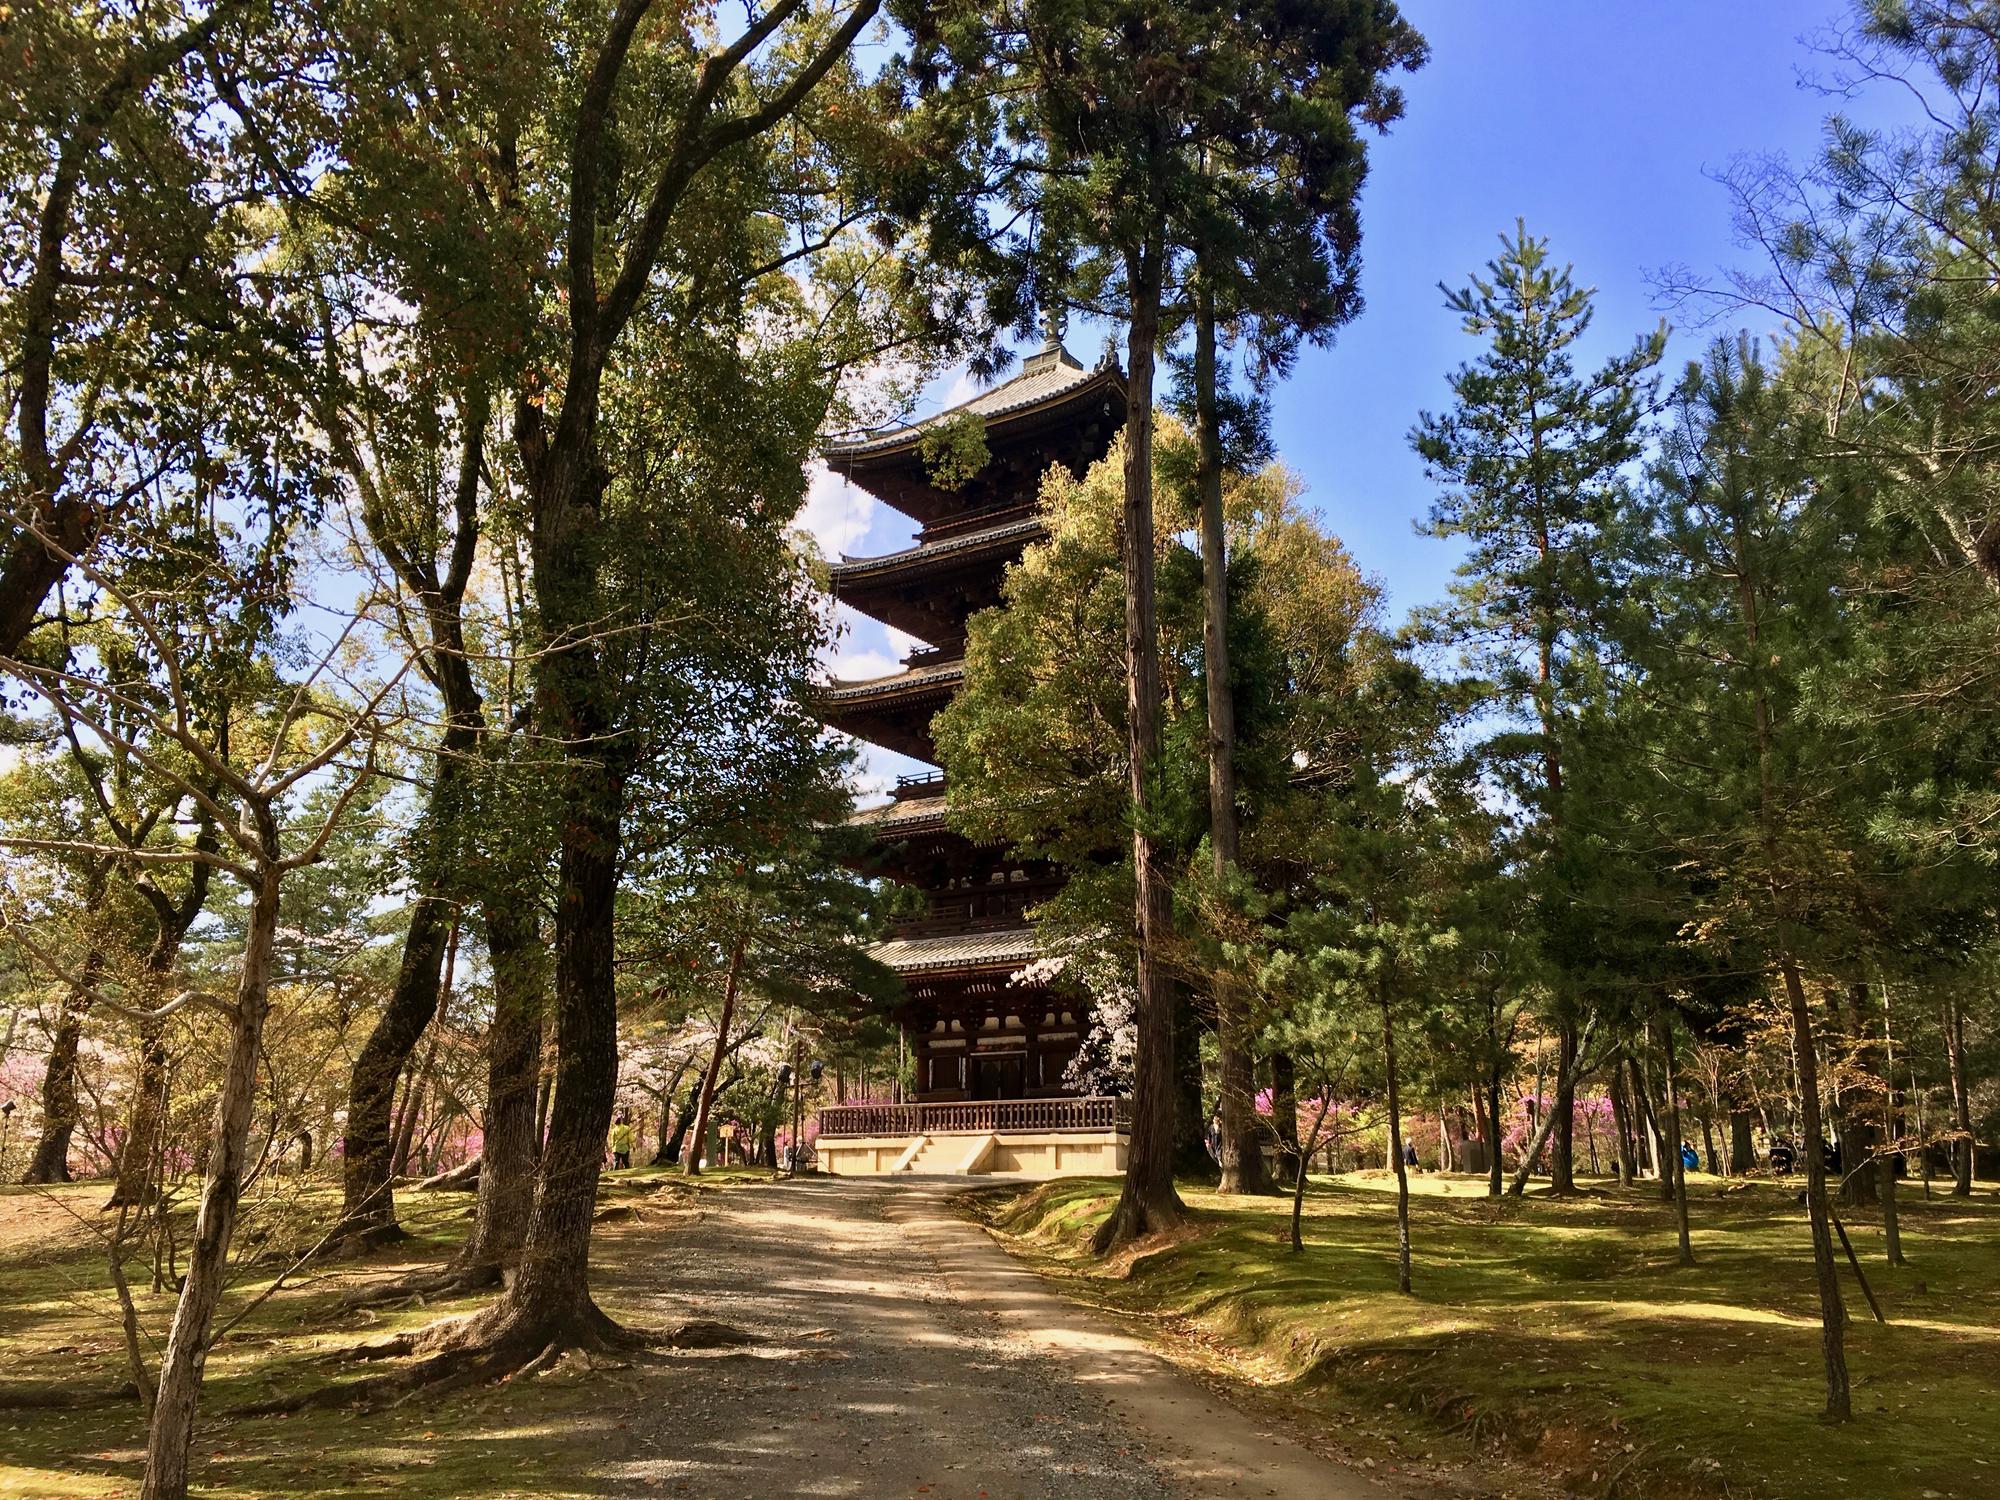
{"x":1566,"y":1331}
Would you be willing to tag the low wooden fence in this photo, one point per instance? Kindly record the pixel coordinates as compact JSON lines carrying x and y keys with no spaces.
{"x":974,"y":1115}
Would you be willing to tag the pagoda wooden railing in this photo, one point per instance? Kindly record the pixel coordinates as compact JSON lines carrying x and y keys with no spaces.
{"x":974,"y":1115}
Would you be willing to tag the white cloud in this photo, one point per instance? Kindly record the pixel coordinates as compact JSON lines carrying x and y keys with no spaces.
{"x":961,"y":390}
{"x":859,"y":666}
{"x":837,"y":513}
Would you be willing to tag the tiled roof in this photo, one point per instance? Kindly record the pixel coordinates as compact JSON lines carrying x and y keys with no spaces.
{"x":849,"y":567}
{"x":897,"y":815}
{"x":1046,"y":374}
{"x":840,"y":691}
{"x":957,"y":950}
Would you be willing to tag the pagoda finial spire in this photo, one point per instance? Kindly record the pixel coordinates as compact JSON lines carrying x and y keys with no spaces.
{"x":1052,"y":352}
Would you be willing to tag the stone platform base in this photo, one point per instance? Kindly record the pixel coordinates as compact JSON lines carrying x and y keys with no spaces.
{"x":973,"y":1153}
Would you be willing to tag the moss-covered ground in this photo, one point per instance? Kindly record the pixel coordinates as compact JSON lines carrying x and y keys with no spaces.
{"x":1564,"y":1336}
{"x":60,"y":1342}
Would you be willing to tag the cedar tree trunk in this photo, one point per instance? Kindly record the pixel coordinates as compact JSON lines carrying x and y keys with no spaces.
{"x":1147,"y":1202}
{"x":1240,"y":1147}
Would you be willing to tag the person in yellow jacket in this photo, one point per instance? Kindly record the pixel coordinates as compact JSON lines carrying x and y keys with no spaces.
{"x":621,"y":1141}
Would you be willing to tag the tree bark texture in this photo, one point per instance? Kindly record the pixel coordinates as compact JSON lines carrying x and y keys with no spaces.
{"x":1562,"y":1140}
{"x":1490,"y":1126}
{"x":1240,"y":1145}
{"x":1285,"y":1112}
{"x":172,"y":1428}
{"x":1193,"y":1161}
{"x":368,"y":1145}
{"x":1147,"y":1202}
{"x":50,"y":1161}
{"x":513,"y":1065}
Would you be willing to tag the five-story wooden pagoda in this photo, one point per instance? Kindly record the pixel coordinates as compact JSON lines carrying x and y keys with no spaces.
{"x":989,"y":1055}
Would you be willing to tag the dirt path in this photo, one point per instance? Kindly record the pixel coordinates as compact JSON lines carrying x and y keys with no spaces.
{"x":904,"y":1354}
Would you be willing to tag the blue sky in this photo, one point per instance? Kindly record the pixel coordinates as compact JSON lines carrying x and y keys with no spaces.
{"x":1598,"y":122}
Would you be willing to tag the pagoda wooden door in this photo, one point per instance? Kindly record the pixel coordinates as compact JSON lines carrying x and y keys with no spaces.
{"x":999,"y":1075}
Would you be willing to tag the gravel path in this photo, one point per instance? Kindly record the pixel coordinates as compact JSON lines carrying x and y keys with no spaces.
{"x":896,"y":1360}
{"x":874,"y":1379}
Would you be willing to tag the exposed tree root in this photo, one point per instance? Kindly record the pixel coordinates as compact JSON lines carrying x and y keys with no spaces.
{"x":439,"y":1284}
{"x":490,"y":1346}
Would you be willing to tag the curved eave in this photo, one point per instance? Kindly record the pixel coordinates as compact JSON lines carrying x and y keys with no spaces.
{"x":957,"y":953}
{"x":893,"y":712}
{"x":898,"y":688}
{"x":927,"y":558}
{"x":929,"y":591}
{"x":888,"y":465}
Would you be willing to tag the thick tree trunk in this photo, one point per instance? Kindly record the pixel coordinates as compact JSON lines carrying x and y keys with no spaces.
{"x":549,"y":1300}
{"x":1147,"y":1202}
{"x":172,"y":1428}
{"x":1562,"y":1141}
{"x":669,"y":1154}
{"x":1961,"y":1099}
{"x":1742,"y":1145}
{"x":369,"y":1144}
{"x":1490,"y":1125}
{"x":706,"y":1098}
{"x":1241,"y":1148}
{"x":50,"y":1161}
{"x":513,"y":1063}
{"x":1193,"y":1161}
{"x":1396,"y":1153}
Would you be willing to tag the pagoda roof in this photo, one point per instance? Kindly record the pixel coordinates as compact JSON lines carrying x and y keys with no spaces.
{"x":928,"y":590}
{"x":913,"y":559}
{"x":1052,"y":392}
{"x":957,"y":950}
{"x":915,"y":815}
{"x":893,"y":711}
{"x":895,"y":685}
{"x":1046,"y":376}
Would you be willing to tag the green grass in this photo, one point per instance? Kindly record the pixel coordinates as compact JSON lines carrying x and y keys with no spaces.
{"x":59,"y":1331}
{"x":1566,"y":1333}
